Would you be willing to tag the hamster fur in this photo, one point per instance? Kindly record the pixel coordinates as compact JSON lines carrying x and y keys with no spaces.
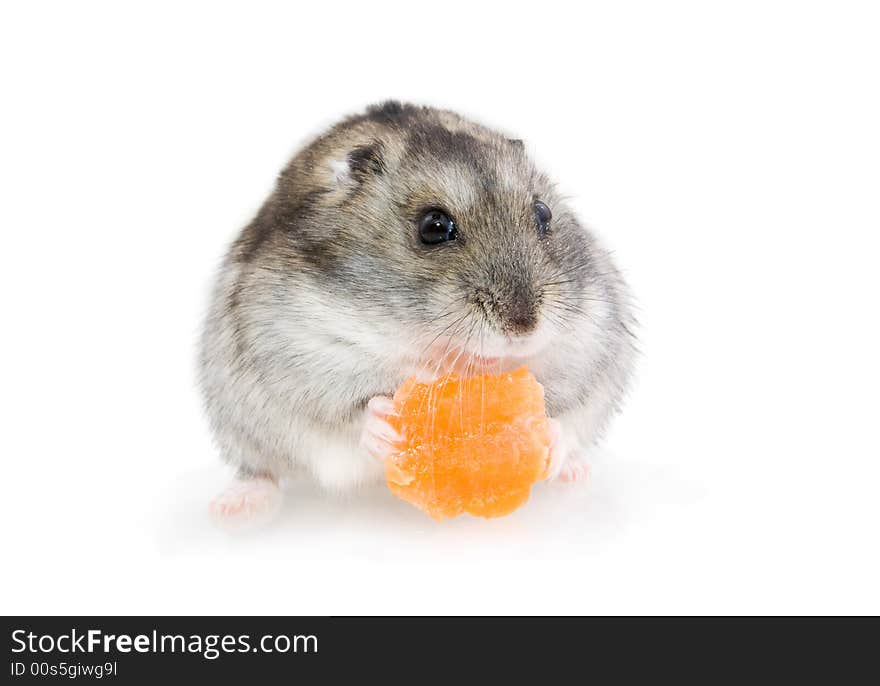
{"x":330,"y":298}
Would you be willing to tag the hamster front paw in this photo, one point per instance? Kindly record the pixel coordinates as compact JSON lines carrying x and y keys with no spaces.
{"x":567,"y":463}
{"x":576,"y":468}
{"x":378,"y":438}
{"x":558,"y":448}
{"x":246,"y":503}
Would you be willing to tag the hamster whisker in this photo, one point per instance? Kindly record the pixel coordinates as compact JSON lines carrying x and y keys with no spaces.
{"x":425,"y":349}
{"x":431,"y":407}
{"x":573,"y":268}
{"x":560,"y":323}
{"x":470,"y":366}
{"x":559,"y":307}
{"x":446,"y":351}
{"x":590,"y":276}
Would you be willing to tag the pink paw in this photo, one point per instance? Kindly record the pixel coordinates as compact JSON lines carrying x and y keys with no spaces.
{"x":557,"y":448}
{"x":576,"y":468}
{"x":246,"y":502}
{"x":566,"y":464}
{"x":378,"y":438}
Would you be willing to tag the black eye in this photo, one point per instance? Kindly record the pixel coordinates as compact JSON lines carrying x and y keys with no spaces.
{"x":542,"y":216}
{"x":436,"y":226}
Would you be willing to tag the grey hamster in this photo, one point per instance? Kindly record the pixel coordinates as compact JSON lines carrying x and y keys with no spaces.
{"x":404,"y":240}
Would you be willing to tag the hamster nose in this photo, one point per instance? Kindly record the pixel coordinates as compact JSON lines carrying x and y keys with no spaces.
{"x":512,"y":309}
{"x":520,"y":316}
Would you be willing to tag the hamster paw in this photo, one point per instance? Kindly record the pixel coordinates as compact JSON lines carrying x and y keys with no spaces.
{"x":246,"y":503}
{"x":558,"y":448}
{"x":576,"y":468}
{"x":378,"y":437}
{"x":566,"y":463}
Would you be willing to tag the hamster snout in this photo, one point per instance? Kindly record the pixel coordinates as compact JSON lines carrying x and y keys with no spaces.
{"x":404,"y":240}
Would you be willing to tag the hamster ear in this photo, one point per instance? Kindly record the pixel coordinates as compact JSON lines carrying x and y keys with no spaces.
{"x":366,"y":160}
{"x":357,"y":165}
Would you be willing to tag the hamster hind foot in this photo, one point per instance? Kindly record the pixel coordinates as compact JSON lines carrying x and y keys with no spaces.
{"x":247,"y":502}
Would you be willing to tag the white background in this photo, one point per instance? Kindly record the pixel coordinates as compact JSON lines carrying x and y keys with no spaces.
{"x":729,"y":155}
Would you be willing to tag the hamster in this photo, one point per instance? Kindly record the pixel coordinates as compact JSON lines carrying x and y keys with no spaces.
{"x":404,"y":241}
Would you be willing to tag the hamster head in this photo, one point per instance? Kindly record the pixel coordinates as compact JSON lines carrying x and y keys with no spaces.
{"x":438,"y":233}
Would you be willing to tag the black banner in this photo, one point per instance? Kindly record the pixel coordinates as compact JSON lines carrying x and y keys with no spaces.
{"x":135,"y":650}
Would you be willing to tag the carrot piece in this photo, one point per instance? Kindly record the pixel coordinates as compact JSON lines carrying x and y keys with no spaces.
{"x":470,"y":444}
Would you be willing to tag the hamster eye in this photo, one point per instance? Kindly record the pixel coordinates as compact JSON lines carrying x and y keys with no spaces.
{"x":436,"y":226}
{"x":543,"y":215}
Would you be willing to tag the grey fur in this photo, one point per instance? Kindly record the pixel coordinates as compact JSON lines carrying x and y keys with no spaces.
{"x":328,"y":297}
